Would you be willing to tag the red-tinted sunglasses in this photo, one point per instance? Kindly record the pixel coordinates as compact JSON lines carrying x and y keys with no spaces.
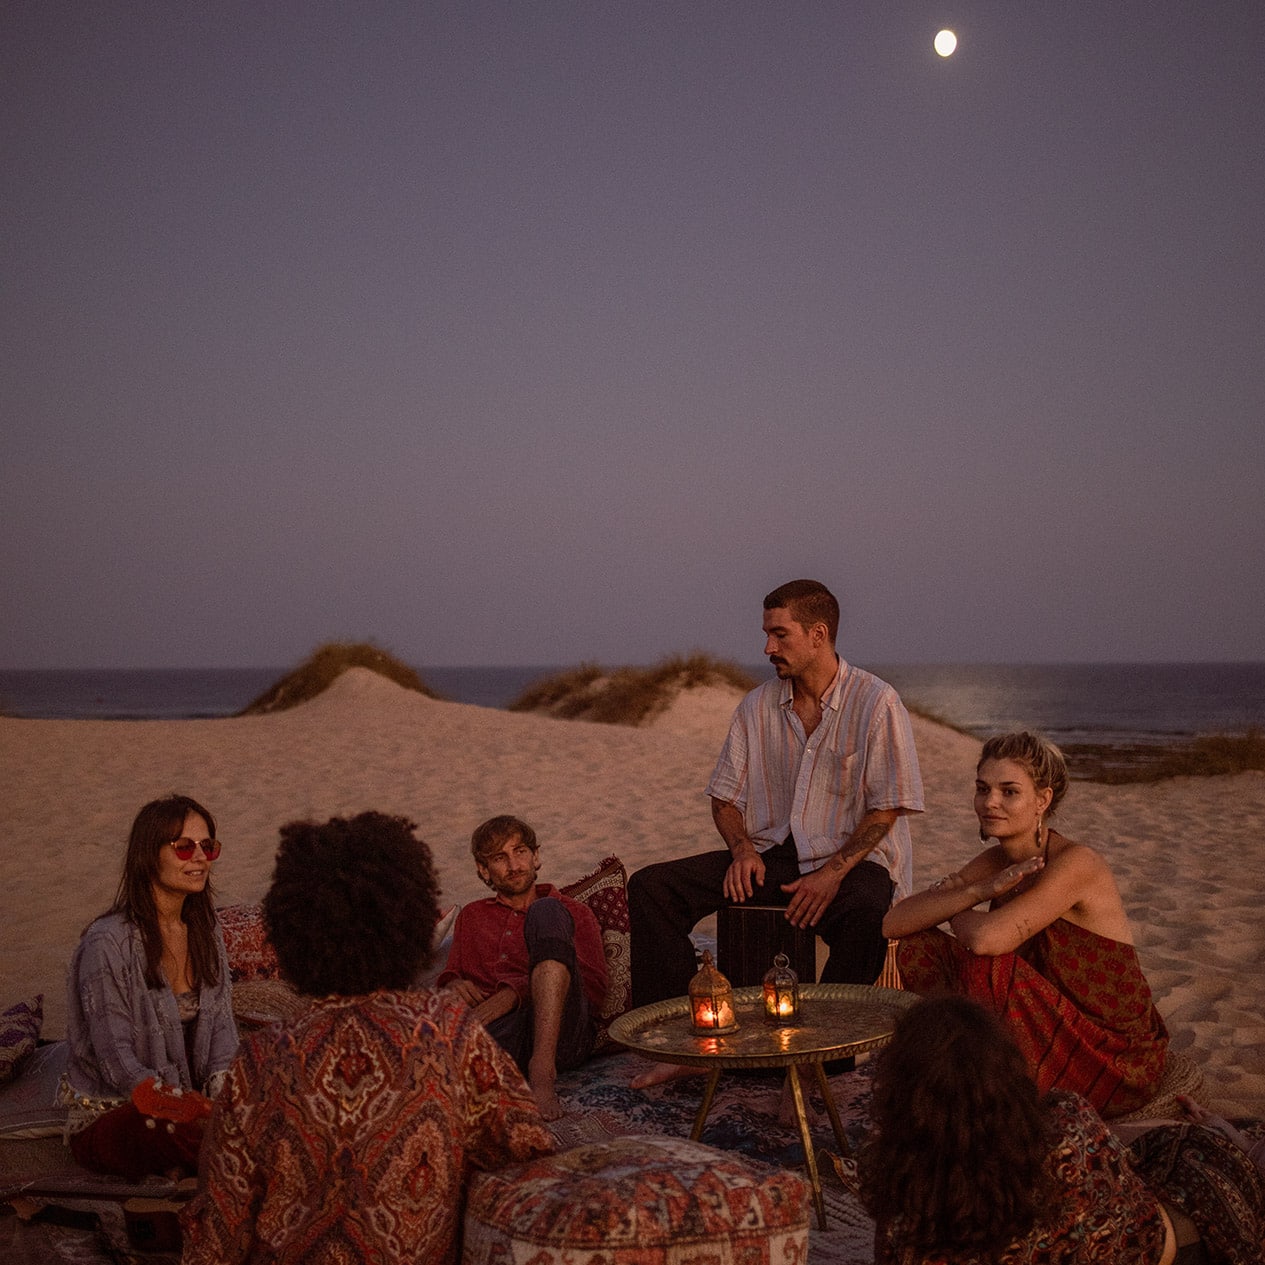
{"x":185,"y":848}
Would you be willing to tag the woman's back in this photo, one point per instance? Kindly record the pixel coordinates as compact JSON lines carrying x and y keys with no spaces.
{"x":372,"y":1110}
{"x":1097,"y":1211}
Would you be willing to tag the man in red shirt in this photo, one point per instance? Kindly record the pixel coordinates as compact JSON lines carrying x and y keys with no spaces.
{"x":528,"y":961}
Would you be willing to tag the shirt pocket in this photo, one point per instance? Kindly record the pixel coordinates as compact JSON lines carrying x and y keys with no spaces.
{"x":847,"y":789}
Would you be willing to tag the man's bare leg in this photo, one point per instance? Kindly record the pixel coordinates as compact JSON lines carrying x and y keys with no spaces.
{"x":661,"y":1073}
{"x":550,"y":983}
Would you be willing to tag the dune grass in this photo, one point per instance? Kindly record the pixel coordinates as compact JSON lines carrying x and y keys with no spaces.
{"x":323,"y":666}
{"x":1216,"y":754}
{"x":627,"y":695}
{"x":1120,"y":763}
{"x":1213,"y":755}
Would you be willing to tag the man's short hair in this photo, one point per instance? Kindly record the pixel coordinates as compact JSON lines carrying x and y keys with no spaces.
{"x":809,"y":602}
{"x":489,"y":838}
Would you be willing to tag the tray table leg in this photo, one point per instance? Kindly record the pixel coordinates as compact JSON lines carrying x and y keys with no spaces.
{"x":833,"y":1111}
{"x":810,"y":1156}
{"x":706,"y":1105}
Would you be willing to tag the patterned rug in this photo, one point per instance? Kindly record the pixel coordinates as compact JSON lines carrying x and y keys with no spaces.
{"x":747,"y":1115}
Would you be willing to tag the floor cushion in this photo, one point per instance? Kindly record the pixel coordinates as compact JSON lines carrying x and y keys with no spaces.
{"x":28,"y":1103}
{"x":637,"y":1201}
{"x":252,"y":959}
{"x":250,"y":953}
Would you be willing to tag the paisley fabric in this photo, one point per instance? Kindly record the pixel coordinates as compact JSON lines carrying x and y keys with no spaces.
{"x":638,"y":1201}
{"x":351,"y":1135}
{"x":1213,"y":1182}
{"x":1100,"y":1212}
{"x":1076,"y":1003}
{"x":250,"y":953}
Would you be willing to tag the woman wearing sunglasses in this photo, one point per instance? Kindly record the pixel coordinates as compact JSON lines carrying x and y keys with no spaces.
{"x":150,"y":1020}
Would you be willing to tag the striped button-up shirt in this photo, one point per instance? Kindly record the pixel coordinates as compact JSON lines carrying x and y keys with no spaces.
{"x":817,"y":787}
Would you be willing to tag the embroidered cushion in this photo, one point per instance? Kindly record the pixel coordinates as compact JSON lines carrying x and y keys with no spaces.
{"x":19,"y":1031}
{"x":605,"y":892}
{"x":250,"y":955}
{"x":638,"y":1201}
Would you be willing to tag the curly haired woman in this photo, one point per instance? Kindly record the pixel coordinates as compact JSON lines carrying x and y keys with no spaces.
{"x":970,"y":1165}
{"x":351,"y":1132}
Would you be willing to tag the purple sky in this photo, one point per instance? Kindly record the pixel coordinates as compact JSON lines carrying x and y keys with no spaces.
{"x":535,"y":332}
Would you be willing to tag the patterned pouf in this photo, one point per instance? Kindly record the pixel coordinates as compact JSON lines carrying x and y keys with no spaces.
{"x":638,"y":1201}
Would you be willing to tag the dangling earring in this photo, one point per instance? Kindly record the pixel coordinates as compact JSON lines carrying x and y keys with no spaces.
{"x":1039,"y":849}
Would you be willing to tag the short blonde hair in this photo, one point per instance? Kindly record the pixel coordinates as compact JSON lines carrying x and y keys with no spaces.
{"x":1043,"y":761}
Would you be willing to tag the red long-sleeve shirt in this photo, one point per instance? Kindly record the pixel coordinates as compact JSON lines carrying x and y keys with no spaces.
{"x":489,"y":947}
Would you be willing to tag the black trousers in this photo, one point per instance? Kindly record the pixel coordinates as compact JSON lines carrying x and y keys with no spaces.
{"x":667,"y":900}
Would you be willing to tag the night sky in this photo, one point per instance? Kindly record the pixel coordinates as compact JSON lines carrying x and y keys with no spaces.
{"x":531,"y":332}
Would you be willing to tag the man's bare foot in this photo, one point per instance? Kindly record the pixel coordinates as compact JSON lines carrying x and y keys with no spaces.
{"x":550,"y":1104}
{"x":661,"y":1073}
{"x":541,"y":1079}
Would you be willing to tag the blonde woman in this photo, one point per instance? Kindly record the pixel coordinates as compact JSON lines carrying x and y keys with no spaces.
{"x":1053,"y":953}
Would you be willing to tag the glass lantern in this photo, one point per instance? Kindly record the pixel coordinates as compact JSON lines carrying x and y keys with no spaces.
{"x":711,"y":1000}
{"x":781,"y":993}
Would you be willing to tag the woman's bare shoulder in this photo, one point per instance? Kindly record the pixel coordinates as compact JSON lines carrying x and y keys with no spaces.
{"x":1069,"y":854}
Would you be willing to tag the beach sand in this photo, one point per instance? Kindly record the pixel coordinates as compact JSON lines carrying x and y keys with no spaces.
{"x":1188,"y":854}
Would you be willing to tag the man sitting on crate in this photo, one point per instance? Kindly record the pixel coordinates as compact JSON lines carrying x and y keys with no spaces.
{"x":528,"y":960}
{"x":809,"y":793}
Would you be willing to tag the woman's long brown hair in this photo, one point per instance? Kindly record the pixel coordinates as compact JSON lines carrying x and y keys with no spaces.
{"x":957,"y":1162}
{"x":156,"y":825}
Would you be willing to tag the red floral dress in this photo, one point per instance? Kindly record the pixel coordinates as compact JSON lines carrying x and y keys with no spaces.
{"x":1076,"y":1003}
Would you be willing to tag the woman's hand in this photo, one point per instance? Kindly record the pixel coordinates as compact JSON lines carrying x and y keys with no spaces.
{"x":956,"y":895}
{"x":1006,"y":880}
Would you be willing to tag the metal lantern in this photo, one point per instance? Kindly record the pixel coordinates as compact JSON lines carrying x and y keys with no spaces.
{"x":711,"y":1000}
{"x":781,"y":993}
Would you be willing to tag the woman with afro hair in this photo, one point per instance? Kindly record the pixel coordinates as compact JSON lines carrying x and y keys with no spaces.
{"x":350,"y":1133}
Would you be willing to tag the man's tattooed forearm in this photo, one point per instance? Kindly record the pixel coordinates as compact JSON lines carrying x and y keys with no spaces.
{"x":865,"y":841}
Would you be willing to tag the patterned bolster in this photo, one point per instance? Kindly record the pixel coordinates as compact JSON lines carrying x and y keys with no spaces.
{"x":605,"y":892}
{"x":637,"y":1201}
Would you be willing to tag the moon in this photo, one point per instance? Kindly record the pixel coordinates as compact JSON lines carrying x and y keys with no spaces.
{"x":945,"y":43}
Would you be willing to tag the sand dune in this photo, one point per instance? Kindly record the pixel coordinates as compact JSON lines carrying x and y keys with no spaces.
{"x":1187,"y":853}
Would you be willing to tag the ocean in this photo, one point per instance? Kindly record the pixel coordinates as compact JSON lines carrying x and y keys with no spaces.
{"x":1101,"y":703}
